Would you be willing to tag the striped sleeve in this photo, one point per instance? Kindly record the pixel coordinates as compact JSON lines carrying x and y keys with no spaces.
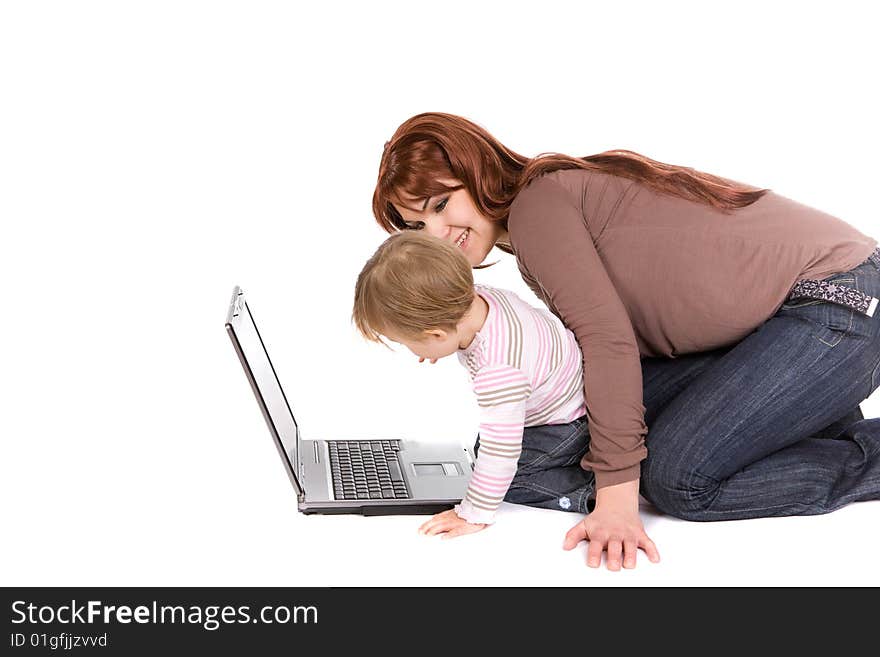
{"x":501,"y":393}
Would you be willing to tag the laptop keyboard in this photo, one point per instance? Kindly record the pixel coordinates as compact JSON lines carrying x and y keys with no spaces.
{"x":366,"y":470}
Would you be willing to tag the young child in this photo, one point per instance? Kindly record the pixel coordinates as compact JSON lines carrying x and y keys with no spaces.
{"x":525,"y":367}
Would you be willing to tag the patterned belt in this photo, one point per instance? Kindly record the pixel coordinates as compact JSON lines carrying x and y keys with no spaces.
{"x":836,"y":293}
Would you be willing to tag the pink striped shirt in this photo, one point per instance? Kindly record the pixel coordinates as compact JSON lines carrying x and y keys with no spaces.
{"x":527,"y":370}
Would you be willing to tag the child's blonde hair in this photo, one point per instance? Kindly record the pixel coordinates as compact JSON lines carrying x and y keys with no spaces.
{"x":413,"y":283}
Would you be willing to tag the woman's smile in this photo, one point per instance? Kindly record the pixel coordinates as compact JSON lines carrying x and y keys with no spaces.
{"x":453,"y":217}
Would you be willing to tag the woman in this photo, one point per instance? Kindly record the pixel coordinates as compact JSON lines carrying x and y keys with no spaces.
{"x":728,"y":333}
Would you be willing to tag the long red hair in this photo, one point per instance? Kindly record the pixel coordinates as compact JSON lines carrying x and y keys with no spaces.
{"x":433,"y":145}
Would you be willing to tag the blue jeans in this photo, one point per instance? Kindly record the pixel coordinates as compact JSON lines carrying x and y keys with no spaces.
{"x":770,"y":426}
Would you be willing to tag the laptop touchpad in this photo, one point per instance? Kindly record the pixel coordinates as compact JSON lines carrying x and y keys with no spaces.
{"x":436,"y":469}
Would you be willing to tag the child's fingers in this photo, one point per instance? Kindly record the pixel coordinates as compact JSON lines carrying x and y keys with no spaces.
{"x":452,"y":534}
{"x":462,"y":529}
{"x":449,"y":524}
{"x":435,"y":527}
{"x":428,"y":526}
{"x":436,"y":520}
{"x":439,"y":527}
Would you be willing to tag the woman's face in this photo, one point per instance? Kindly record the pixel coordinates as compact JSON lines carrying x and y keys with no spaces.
{"x":452,"y":216}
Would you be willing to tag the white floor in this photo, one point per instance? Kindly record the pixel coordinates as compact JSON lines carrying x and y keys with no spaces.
{"x":155,"y":515}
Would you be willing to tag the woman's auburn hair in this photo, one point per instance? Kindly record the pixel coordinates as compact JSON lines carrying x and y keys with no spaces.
{"x":432,"y":146}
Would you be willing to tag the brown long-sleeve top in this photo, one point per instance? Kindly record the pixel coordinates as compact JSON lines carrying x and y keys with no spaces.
{"x":633,"y":272}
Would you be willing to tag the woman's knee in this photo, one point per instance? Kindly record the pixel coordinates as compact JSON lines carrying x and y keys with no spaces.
{"x":675,"y":489}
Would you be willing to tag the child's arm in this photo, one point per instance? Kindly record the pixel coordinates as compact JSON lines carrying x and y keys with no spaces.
{"x":501,"y":394}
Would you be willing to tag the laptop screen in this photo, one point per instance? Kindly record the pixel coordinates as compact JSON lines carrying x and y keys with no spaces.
{"x":264,"y":381}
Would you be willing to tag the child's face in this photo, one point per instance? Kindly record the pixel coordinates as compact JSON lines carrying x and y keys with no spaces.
{"x":432,"y":345}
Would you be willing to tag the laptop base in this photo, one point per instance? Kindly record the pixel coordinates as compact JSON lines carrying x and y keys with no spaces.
{"x":383,"y":510}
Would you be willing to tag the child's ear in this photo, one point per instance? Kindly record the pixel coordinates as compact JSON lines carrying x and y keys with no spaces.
{"x":439,"y":334}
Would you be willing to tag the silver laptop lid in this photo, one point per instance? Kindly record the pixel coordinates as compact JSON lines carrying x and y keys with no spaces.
{"x":264,"y":382}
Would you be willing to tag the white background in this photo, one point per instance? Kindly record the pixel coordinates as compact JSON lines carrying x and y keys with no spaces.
{"x":154,"y":154}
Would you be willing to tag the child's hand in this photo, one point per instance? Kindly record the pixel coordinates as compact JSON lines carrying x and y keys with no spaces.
{"x":450,"y":525}
{"x":433,"y":360}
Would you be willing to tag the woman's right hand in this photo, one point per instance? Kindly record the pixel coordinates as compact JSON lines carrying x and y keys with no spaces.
{"x":614,"y":526}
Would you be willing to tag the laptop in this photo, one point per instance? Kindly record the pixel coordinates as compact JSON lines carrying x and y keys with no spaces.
{"x":369,"y":477}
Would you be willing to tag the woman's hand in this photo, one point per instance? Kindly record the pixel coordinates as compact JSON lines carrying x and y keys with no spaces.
{"x":449,"y":524}
{"x":614,"y":525}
